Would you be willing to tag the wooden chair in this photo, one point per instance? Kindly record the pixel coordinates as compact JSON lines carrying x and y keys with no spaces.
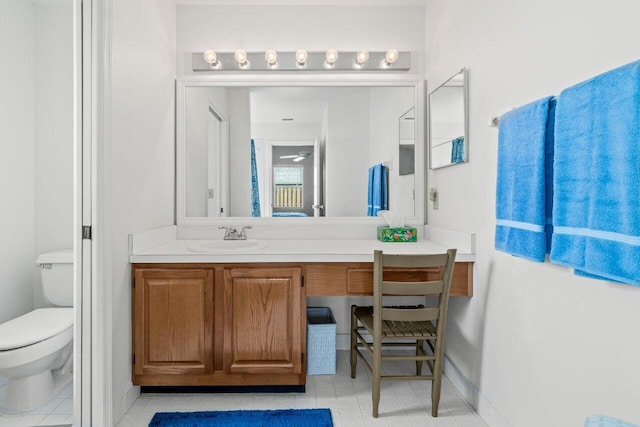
{"x":402,"y":325}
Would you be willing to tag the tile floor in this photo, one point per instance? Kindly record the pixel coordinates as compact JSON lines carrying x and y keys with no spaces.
{"x":403,"y":403}
{"x":58,"y":411}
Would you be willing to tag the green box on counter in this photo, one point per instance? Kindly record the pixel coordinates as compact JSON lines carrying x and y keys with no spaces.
{"x":398,"y":234}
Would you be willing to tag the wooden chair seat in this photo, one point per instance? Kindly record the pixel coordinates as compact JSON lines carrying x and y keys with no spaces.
{"x":397,"y":329}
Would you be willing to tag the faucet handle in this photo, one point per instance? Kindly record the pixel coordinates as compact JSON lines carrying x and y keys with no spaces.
{"x":227,"y":231}
{"x":242,"y":234}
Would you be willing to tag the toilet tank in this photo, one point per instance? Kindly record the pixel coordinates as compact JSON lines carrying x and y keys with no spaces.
{"x":56,"y":271}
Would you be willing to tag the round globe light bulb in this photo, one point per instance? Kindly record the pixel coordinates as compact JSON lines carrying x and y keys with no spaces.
{"x":391,"y":56}
{"x":241,"y":56}
{"x":210,"y":56}
{"x":362,"y":56}
{"x":271,"y":57}
{"x":331,"y":56}
{"x":301,"y":56}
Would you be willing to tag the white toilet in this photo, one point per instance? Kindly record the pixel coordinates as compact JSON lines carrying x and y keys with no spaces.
{"x":36,"y":349}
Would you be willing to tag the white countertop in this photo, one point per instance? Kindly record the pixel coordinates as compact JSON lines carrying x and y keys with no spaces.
{"x":177,"y":251}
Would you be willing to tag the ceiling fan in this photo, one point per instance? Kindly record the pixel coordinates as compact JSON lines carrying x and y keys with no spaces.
{"x":296,"y":157}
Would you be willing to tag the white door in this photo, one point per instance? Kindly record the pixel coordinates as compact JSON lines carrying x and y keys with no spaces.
{"x":214,"y":164}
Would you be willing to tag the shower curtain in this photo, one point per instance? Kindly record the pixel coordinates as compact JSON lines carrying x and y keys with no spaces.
{"x":255,"y":192}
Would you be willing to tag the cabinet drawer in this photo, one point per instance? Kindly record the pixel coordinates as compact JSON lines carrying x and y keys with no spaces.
{"x":326,"y":279}
{"x":360,"y":280}
{"x":332,"y":279}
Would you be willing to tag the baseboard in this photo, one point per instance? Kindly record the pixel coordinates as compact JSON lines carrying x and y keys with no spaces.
{"x":224,"y":389}
{"x":343,"y":341}
{"x":124,"y":402}
{"x":473,"y":396}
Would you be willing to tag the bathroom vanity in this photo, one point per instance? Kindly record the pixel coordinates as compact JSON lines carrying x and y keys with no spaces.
{"x":230,"y":319}
{"x":228,"y":313}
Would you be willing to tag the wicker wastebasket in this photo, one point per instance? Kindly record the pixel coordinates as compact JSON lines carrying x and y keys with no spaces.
{"x":321,"y":341}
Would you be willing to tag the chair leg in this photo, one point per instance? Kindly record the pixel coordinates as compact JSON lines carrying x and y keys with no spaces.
{"x":419,"y":352}
{"x":375,"y":380}
{"x":435,"y":397}
{"x":436,"y":387}
{"x":354,"y":341}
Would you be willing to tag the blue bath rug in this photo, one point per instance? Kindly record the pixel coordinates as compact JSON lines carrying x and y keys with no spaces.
{"x":254,"y":418}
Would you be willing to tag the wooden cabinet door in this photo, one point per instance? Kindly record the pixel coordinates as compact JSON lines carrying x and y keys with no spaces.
{"x":173,"y":321}
{"x":264,"y":323}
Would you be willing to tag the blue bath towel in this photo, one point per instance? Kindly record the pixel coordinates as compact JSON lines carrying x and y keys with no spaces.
{"x":523,"y":190}
{"x":457,"y":150}
{"x":596,"y":204}
{"x":377,"y":199}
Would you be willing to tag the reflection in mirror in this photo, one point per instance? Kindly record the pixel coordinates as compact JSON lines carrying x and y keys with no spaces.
{"x":407,"y":142}
{"x":448,"y":141}
{"x":305,"y":151}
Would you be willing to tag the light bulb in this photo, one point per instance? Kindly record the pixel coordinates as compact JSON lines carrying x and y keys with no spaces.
{"x":391,"y":56}
{"x":331,"y":56}
{"x":271,"y":57}
{"x":362,"y":56}
{"x":301,"y":57}
{"x":241,"y":57}
{"x":210,"y":56}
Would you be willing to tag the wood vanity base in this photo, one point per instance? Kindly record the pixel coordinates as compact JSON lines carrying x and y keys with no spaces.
{"x":213,"y":324}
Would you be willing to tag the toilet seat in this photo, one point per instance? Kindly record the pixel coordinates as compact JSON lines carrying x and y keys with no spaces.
{"x":34,"y":327}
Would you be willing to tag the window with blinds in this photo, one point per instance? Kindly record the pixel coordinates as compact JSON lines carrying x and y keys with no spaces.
{"x":288,"y":186}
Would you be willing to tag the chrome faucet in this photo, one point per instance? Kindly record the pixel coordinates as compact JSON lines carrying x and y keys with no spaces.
{"x":231,"y":233}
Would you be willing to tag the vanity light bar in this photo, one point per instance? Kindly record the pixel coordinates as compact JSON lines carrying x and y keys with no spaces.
{"x":331,"y":60}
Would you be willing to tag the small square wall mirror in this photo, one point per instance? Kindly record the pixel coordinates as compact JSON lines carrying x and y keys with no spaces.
{"x":448,"y":123}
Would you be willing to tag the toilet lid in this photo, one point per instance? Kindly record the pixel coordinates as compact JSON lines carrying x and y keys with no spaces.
{"x":35,"y":326}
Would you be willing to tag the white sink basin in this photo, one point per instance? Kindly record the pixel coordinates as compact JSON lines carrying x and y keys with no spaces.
{"x":226,"y":246}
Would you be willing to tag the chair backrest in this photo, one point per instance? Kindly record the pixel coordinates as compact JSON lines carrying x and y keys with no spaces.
{"x":440,"y":266}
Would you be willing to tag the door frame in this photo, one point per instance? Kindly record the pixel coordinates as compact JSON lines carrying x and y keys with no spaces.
{"x":267,"y":204}
{"x":93,"y":402}
{"x":82,"y":162}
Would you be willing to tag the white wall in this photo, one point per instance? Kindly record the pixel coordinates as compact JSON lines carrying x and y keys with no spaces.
{"x":541,"y":346}
{"x":238,"y":102}
{"x":53,"y":131}
{"x":17,"y":117}
{"x":139,"y":155}
{"x":287,"y":28}
{"x":36,"y":113}
{"x":347,"y":154}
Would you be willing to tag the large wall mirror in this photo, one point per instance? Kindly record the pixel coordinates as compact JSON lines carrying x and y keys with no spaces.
{"x":284,"y":152}
{"x":448,"y":123}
